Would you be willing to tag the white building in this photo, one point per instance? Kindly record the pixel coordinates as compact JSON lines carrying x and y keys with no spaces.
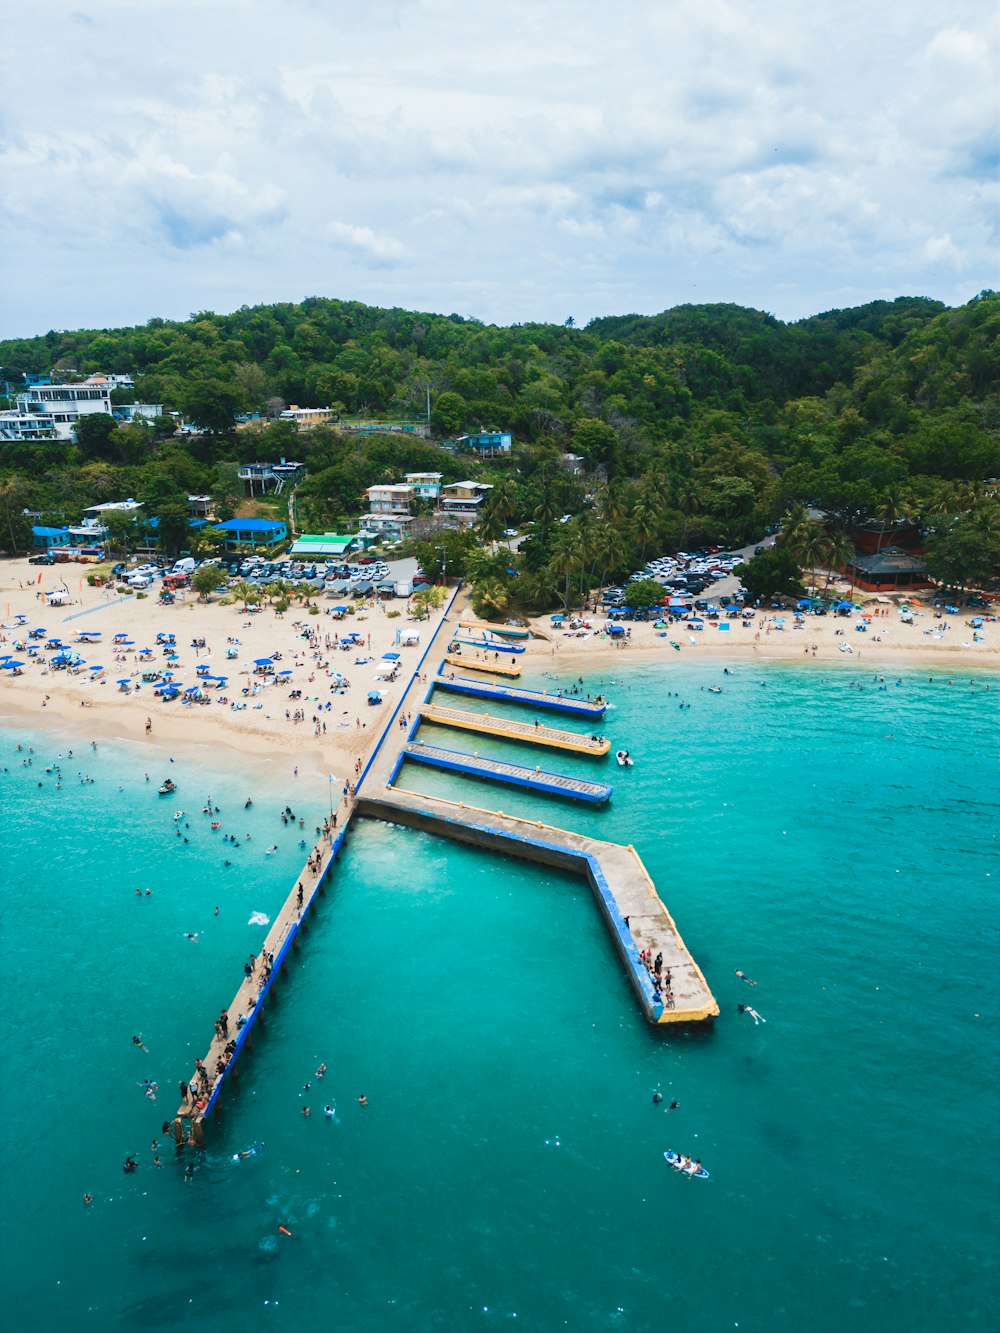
{"x":426,"y":485}
{"x":50,"y":411}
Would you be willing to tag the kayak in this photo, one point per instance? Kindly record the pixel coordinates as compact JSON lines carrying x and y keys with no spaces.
{"x":674,"y":1157}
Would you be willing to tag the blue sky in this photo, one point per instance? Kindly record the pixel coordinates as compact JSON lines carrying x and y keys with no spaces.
{"x":512,"y":161}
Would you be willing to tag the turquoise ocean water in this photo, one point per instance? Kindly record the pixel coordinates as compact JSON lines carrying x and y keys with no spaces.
{"x":837,"y":844}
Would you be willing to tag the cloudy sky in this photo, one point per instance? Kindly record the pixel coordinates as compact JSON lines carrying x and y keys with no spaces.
{"x":512,"y":161}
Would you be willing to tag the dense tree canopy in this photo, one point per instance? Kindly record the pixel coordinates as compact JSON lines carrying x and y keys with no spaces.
{"x":699,"y":424}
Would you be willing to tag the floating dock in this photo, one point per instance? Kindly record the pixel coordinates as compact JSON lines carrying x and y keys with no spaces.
{"x":472,"y":664}
{"x":635,"y":915}
{"x":515,"y":775}
{"x":491,"y":645}
{"x":527,"y":732}
{"x":505,"y":631}
{"x":513,"y":694}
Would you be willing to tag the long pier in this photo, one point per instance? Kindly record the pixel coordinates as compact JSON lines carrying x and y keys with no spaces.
{"x":636,"y":917}
{"x":508,"y":729}
{"x":515,"y":775}
{"x":477,"y":664}
{"x":514,"y":694}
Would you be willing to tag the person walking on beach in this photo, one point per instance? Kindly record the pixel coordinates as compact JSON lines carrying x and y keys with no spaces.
{"x":149,"y":725}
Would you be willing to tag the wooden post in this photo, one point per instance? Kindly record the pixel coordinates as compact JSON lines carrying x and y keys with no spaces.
{"x":199,"y":1133}
{"x":179,"y":1131}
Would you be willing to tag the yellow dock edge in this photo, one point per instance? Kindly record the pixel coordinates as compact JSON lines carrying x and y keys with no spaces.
{"x":674,"y":1015}
{"x":470,"y":664}
{"x":485,"y":726}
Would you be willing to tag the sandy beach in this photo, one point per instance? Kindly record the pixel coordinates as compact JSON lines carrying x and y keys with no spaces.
{"x":944,"y":645}
{"x":328,"y":728}
{"x":337,"y":725}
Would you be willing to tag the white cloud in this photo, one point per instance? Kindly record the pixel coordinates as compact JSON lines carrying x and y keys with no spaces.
{"x":522,"y":160}
{"x":371,"y":247}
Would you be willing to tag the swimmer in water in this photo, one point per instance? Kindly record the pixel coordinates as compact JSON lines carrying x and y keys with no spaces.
{"x":130,"y":1165}
{"x":362,"y":1100}
{"x":743,"y":977}
{"x":88,"y":1199}
{"x":137,"y":1041}
{"x":657,"y":1098}
{"x":188,"y":935}
{"x":328,"y":1112}
{"x":674,"y":1106}
{"x":745,"y":1009}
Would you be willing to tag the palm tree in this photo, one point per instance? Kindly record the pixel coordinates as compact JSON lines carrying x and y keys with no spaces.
{"x":489,"y":525}
{"x":502,"y":502}
{"x":840,"y":551}
{"x":645,"y":524}
{"x":890,"y":508}
{"x":813,"y":550}
{"x":796,"y":530}
{"x":610,"y":503}
{"x":246,"y":593}
{"x":567,"y":556}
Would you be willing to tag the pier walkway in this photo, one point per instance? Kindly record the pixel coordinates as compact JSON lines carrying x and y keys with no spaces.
{"x":636,"y":917}
{"x":514,"y":694}
{"x":531,"y":733}
{"x":516,"y":775}
{"x":478,"y":664}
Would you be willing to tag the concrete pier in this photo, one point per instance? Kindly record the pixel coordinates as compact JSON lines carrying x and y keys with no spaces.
{"x":515,"y":775}
{"x":514,"y":694}
{"x":634,"y":913}
{"x":477,"y":664}
{"x":526,"y":732}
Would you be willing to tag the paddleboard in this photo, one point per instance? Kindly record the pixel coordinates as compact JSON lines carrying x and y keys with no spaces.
{"x":674,"y":1157}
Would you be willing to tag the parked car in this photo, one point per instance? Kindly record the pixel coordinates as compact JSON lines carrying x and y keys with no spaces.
{"x":43,"y":559}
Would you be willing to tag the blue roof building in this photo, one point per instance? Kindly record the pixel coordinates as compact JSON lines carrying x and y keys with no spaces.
{"x":487,"y":443}
{"x":252,"y":531}
{"x":43,"y":538}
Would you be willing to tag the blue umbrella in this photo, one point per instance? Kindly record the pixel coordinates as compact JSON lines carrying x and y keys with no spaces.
{"x":262,"y":661}
{"x":97,"y":668}
{"x":10,"y":666}
{"x":125,"y":680}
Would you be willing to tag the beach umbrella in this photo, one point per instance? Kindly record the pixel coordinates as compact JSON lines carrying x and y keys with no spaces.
{"x":284,"y":673}
{"x":341,"y":609}
{"x":173,"y":657}
{"x":125,"y":680}
{"x":262,"y":661}
{"x":97,"y":668}
{"x":10,"y":665}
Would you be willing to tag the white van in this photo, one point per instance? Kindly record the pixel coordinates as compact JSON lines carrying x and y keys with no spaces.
{"x":185,"y":566}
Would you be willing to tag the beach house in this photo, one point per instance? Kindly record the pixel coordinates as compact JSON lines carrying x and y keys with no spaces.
{"x":252,"y":532}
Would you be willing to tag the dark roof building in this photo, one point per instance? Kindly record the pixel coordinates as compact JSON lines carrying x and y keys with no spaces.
{"x":890,"y":569}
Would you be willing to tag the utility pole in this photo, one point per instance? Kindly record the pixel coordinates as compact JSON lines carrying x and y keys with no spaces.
{"x":428,"y":388}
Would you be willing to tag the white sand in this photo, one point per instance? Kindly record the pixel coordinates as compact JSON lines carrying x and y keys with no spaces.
{"x":98,"y":708}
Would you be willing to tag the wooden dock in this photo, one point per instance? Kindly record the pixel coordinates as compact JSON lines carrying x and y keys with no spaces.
{"x":514,"y":694}
{"x":636,"y":917}
{"x":515,"y":775}
{"x":477,"y":664}
{"x":530,"y":733}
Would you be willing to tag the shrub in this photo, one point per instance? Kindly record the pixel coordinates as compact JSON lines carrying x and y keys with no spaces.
{"x":391,"y":615}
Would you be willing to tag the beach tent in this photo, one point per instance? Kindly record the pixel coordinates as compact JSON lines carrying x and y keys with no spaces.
{"x":263,"y":661}
{"x":339,"y":610}
{"x":804,"y":603}
{"x":616,"y":629}
{"x":723,"y":627}
{"x":390,"y":657}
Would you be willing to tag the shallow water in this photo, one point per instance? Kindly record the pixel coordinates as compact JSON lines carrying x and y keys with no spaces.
{"x":839,"y":845}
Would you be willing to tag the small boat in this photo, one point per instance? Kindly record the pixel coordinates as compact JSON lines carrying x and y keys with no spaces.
{"x":715,"y":689}
{"x":167,"y":787}
{"x":625,"y":760}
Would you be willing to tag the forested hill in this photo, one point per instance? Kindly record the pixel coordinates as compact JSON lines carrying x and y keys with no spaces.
{"x":719,"y":415}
